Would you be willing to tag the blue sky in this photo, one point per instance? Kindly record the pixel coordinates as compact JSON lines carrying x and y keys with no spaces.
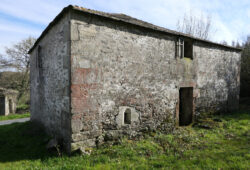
{"x":22,"y":18}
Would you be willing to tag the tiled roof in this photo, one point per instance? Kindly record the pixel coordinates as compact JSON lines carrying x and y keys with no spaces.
{"x":126,"y":19}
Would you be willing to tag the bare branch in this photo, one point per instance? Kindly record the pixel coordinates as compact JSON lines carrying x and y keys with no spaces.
{"x":17,"y":57}
{"x":4,"y":63}
{"x":18,"y":54}
{"x":200,"y":27}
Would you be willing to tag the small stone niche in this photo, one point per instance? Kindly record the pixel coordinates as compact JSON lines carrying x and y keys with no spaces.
{"x":127,"y":116}
{"x":8,"y":99}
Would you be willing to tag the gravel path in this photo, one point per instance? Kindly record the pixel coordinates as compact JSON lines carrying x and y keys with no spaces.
{"x":7,"y":122}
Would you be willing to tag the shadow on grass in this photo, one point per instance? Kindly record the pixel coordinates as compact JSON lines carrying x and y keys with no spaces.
{"x":14,"y":116}
{"x":21,"y":141}
{"x":236,"y":115}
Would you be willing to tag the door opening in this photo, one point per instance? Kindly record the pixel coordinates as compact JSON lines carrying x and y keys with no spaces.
{"x":186,"y":106}
{"x":10,"y":106}
{"x":2,"y":106}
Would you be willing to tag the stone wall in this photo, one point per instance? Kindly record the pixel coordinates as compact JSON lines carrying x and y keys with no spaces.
{"x":96,"y":79}
{"x":10,"y":104}
{"x":117,"y":66}
{"x":50,"y":85}
{"x":8,"y":101}
{"x":218,"y":79}
{"x":2,"y":105}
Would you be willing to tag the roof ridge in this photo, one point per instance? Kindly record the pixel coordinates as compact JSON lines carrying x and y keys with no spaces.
{"x":127,"y":19}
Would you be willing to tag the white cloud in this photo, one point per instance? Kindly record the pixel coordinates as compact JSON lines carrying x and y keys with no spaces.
{"x":222,"y":33}
{"x":11,"y":33}
{"x":248,"y":13}
{"x":22,"y":10}
{"x":230,"y":17}
{"x":37,"y":11}
{"x":21,"y":29}
{"x":27,"y":18}
{"x":167,"y":12}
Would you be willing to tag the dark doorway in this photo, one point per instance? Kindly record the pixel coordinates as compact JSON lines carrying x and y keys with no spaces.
{"x":10,"y":106}
{"x":2,"y":105}
{"x":186,"y":106}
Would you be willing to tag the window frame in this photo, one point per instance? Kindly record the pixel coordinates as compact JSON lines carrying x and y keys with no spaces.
{"x":181,"y":45}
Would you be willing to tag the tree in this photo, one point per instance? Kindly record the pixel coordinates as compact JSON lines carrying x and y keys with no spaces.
{"x":245,"y":69}
{"x":200,"y":27}
{"x":4,"y":63}
{"x":10,"y":80}
{"x":18,"y":54}
{"x":17,"y":58}
{"x":224,"y":42}
{"x":233,"y":43}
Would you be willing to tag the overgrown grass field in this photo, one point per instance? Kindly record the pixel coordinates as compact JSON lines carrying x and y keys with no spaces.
{"x":14,"y":116}
{"x":218,"y":142}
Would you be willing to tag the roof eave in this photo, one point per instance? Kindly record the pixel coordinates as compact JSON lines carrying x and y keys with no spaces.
{"x":102,"y":14}
{"x":51,"y":24}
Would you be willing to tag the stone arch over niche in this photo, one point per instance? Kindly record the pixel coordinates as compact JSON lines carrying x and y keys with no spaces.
{"x":127,"y":116}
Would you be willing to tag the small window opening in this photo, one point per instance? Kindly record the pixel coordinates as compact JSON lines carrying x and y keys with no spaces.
{"x":184,"y":48}
{"x":127,"y":116}
{"x":39,"y":57}
{"x":188,"y":49}
{"x":180,"y":48}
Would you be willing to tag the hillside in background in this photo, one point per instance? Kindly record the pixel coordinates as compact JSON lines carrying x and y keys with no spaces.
{"x":13,"y":80}
{"x":245,"y":70}
{"x":10,"y":80}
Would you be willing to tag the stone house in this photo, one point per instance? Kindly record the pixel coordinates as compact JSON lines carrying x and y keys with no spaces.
{"x":97,"y":76}
{"x":8,"y":99}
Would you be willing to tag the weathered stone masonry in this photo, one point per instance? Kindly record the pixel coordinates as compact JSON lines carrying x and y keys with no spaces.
{"x":50,"y":82}
{"x":8,"y":99}
{"x":96,"y":77}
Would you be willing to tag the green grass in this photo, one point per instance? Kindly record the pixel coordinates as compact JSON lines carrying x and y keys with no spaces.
{"x":14,"y":116}
{"x":224,"y":146}
{"x":22,"y":107}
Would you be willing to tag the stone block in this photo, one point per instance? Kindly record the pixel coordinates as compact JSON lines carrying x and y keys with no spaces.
{"x":131,"y":117}
{"x":85,"y":143}
{"x":76,"y":125}
{"x":81,"y":136}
